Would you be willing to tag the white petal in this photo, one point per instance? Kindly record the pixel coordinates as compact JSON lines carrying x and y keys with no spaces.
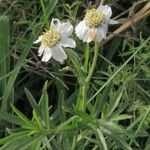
{"x":58,"y":53}
{"x":104,"y":29}
{"x":47,"y":54}
{"x":67,"y":42}
{"x":81,"y":29}
{"x":106,"y":10}
{"x":89,"y":35}
{"x":65,"y":29}
{"x":41,"y":49}
{"x":38,"y":40}
{"x":55,"y":23}
{"x":111,"y":21}
{"x":99,"y":36}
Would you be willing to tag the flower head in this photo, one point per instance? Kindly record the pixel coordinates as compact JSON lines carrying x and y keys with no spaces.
{"x":54,"y":39}
{"x":95,"y":24}
{"x":93,"y":17}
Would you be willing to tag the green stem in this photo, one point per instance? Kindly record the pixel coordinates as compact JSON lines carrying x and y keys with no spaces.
{"x":82,"y":90}
{"x":86,"y":62}
{"x":81,"y":98}
{"x":91,"y":71}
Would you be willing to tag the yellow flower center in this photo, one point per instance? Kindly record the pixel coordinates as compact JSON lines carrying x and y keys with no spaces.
{"x":51,"y":38}
{"x":94,"y":17}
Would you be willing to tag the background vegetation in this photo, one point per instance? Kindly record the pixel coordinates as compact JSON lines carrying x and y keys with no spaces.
{"x":41,"y":103}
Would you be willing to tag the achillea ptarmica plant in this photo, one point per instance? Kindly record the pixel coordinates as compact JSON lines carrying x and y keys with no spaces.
{"x":53,"y":40}
{"x":94,"y":26}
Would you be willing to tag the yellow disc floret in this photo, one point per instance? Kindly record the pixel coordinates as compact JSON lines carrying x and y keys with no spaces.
{"x":51,"y":38}
{"x":94,"y":17}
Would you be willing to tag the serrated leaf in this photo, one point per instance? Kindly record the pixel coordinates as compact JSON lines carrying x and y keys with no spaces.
{"x":44,"y":106}
{"x":33,"y":102}
{"x":22,"y":117}
{"x":114,"y":101}
{"x":121,"y":117}
{"x":14,"y":136}
{"x":77,"y":63}
{"x":11,"y":118}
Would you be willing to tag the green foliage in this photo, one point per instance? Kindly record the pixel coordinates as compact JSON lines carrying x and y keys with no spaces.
{"x":108,"y":112}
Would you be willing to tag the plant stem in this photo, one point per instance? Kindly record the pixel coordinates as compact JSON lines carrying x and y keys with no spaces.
{"x":87,"y":52}
{"x":81,"y":98}
{"x":91,"y":71}
{"x":83,"y":88}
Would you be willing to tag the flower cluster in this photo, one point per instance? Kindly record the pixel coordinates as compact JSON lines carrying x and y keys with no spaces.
{"x":93,"y":27}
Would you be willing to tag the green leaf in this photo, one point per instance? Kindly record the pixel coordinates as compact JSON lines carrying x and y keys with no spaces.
{"x":61,"y":104}
{"x":14,"y":136}
{"x":114,"y":132}
{"x":66,"y":125}
{"x":44,"y":105}
{"x":121,"y":117}
{"x":144,"y":117}
{"x":37,"y":119}
{"x":101,"y":99}
{"x":120,"y":141}
{"x":4,"y":51}
{"x":11,"y":118}
{"x":110,"y":126}
{"x":86,"y":118}
{"x":33,"y":102}
{"x":23,"y":142}
{"x":22,"y":117}
{"x":28,"y":143}
{"x":77,"y":64}
{"x":31,"y":99}
{"x":101,"y":139}
{"x":114,"y":101}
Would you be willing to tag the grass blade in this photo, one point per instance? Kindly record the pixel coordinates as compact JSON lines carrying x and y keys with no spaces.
{"x":4,"y":51}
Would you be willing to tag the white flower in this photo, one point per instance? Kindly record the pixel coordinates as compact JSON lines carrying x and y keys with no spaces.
{"x":95,"y":24}
{"x":54,"y":39}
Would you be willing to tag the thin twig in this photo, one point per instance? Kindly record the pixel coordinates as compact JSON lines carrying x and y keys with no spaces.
{"x":136,"y":18}
{"x":43,"y":68}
